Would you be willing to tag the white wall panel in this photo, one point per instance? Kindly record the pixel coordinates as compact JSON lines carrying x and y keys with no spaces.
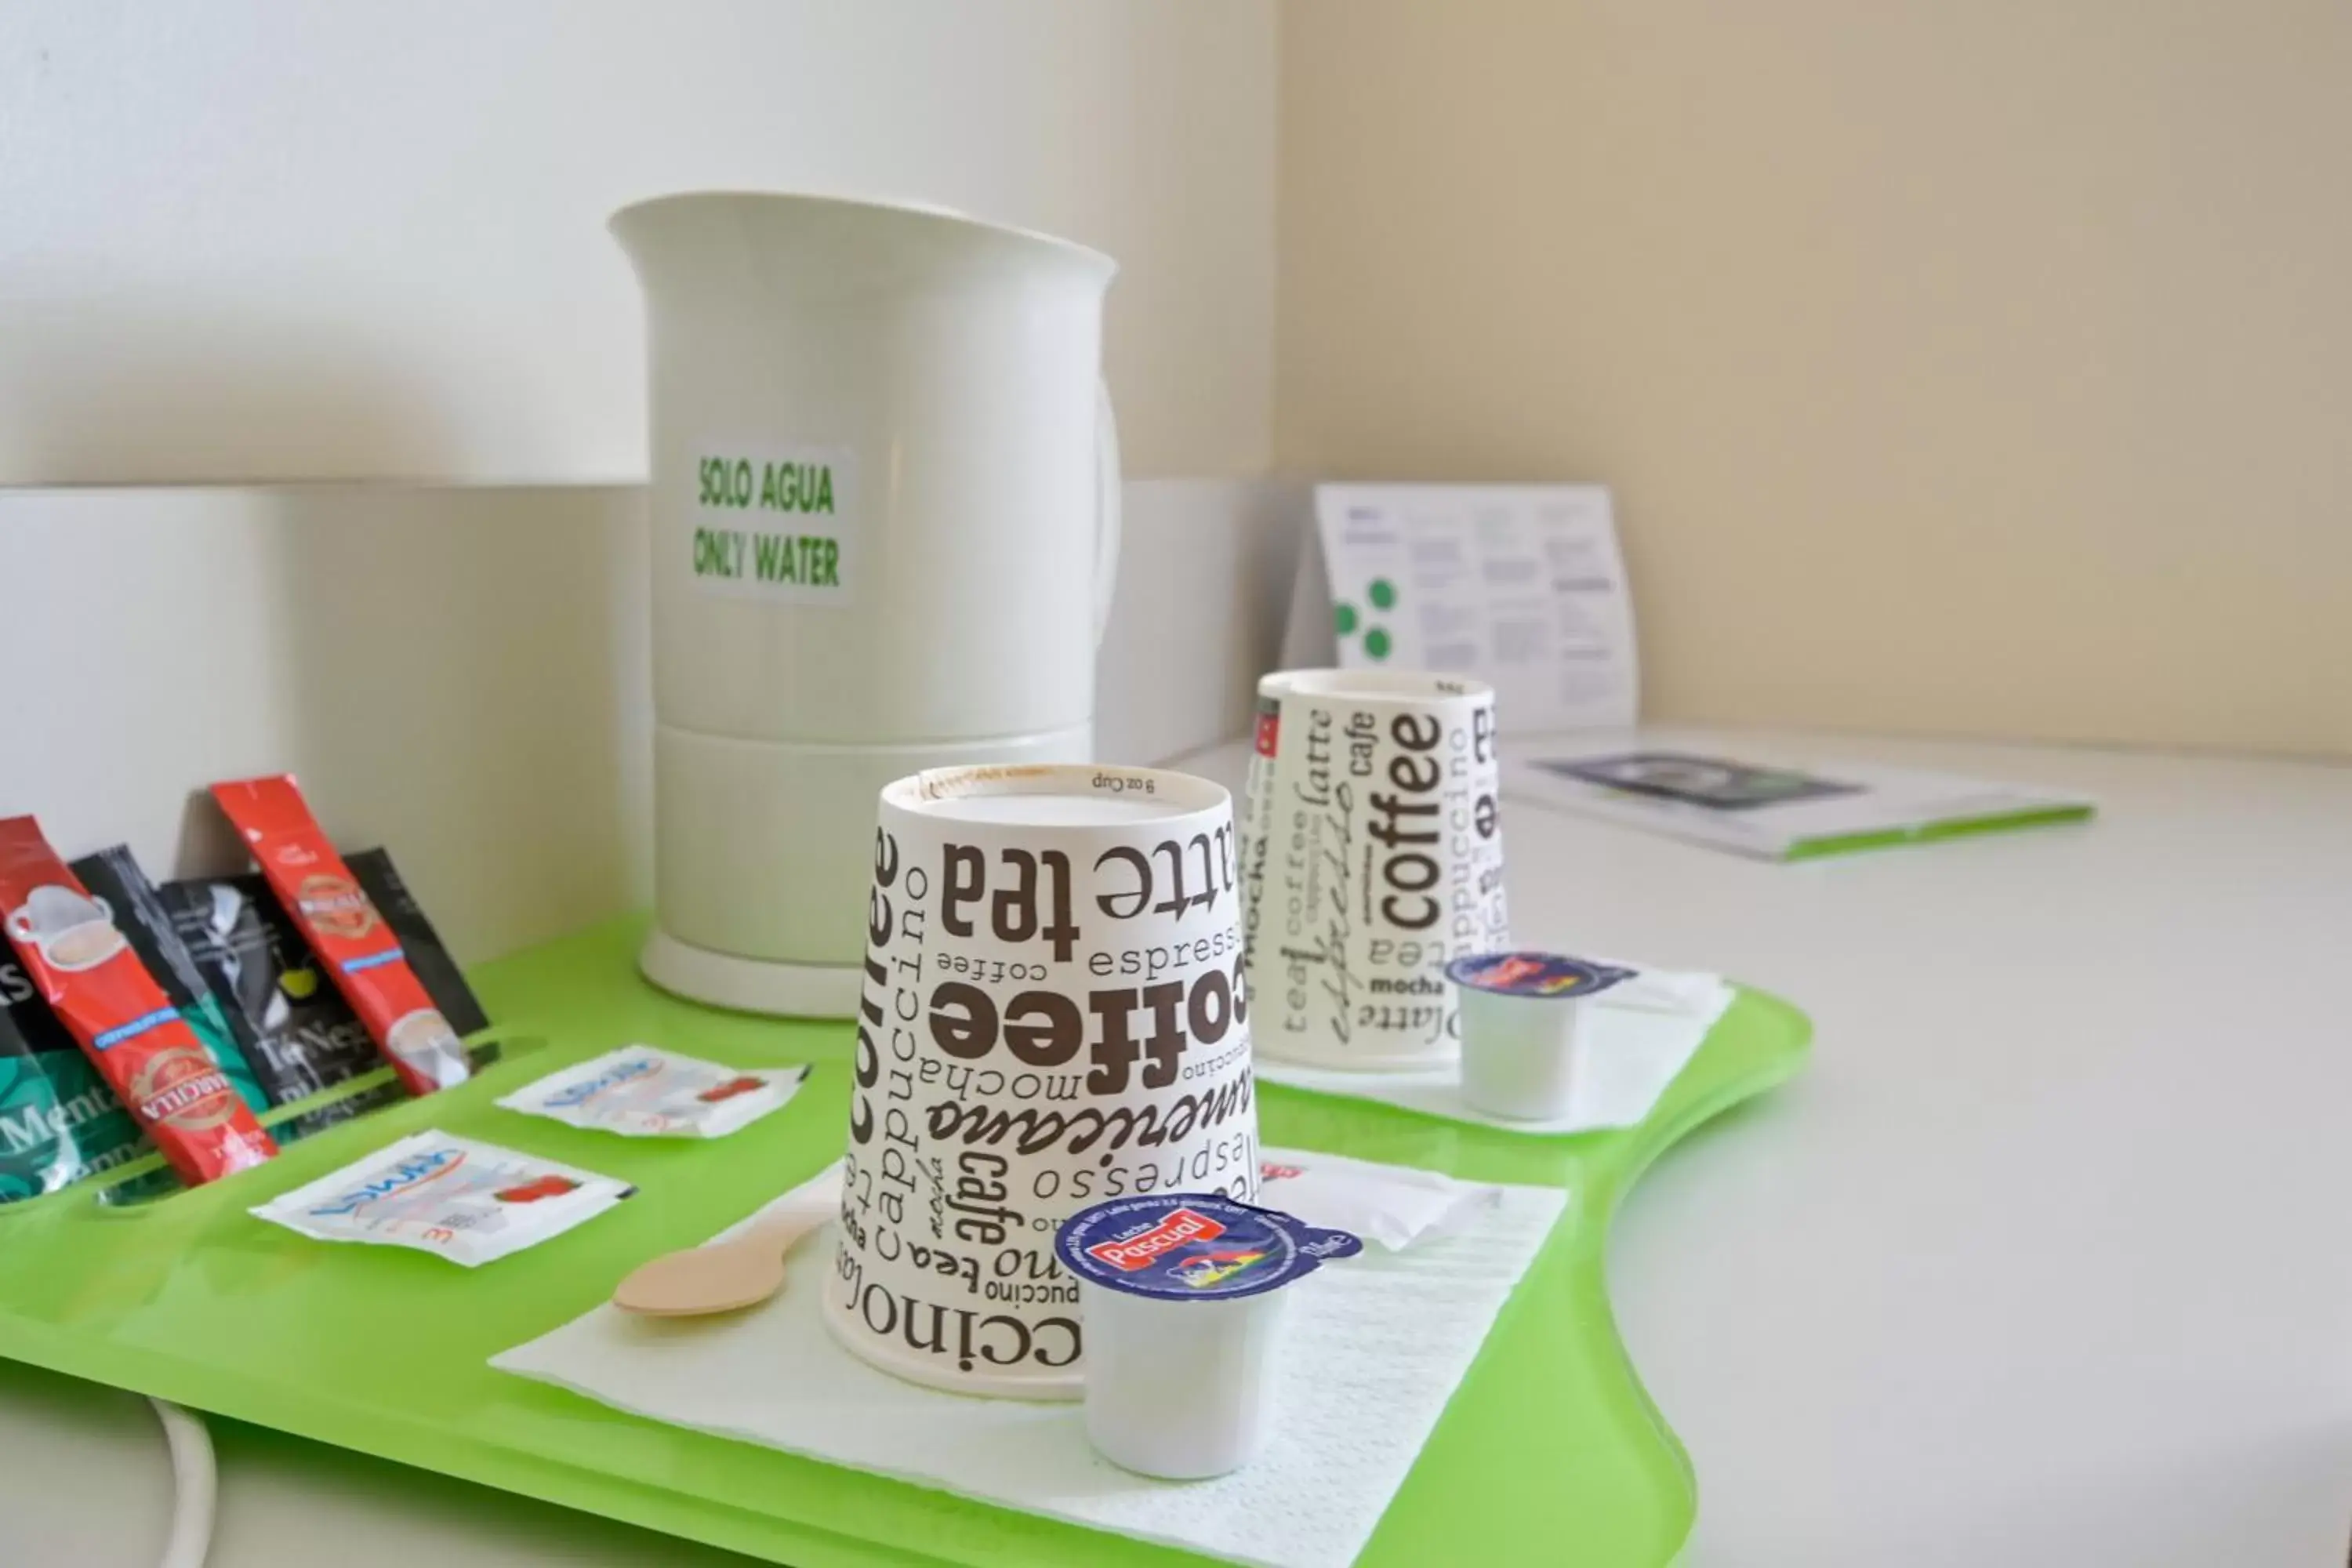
{"x":268,"y":239}
{"x":462,"y":672}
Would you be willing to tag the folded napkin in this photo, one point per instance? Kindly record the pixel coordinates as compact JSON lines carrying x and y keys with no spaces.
{"x":1643,"y":1031}
{"x":1375,"y":1347}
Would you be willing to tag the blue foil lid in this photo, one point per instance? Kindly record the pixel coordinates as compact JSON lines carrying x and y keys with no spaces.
{"x":1534,"y":975}
{"x":1193,"y":1247}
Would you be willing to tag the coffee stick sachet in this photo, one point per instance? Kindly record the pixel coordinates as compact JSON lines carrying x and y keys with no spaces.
{"x":114,"y":878}
{"x":93,"y":980}
{"x":300,"y":1035}
{"x":362,"y":953}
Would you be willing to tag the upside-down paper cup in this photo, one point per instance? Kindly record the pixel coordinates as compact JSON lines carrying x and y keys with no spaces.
{"x":1054,"y":1014}
{"x":1371,"y":855}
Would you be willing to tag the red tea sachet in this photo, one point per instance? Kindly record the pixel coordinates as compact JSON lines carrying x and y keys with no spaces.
{"x":360,"y":953}
{"x":85,"y":969}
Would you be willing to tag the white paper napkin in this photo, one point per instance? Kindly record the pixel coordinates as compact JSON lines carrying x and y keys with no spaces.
{"x":1646,"y":1029}
{"x":1376,"y":1346}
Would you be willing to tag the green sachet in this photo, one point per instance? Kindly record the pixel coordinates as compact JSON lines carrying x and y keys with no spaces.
{"x":58,"y":1121}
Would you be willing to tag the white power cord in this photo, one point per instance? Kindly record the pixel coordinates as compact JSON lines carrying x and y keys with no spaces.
{"x":193,"y":1476}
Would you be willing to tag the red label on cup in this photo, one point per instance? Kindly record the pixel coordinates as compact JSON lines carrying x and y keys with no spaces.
{"x":86,"y":970}
{"x":348,"y":931}
{"x":1269,"y":731}
{"x":1131,"y":1253}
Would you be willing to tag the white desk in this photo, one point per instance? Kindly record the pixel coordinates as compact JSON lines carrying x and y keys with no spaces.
{"x":2043,"y":1261}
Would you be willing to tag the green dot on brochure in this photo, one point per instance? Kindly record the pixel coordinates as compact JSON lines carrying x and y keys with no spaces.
{"x":1344,"y":618}
{"x":1376,"y":643}
{"x":1383,"y":593}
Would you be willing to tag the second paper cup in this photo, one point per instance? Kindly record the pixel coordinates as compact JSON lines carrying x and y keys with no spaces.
{"x":1372,"y":855}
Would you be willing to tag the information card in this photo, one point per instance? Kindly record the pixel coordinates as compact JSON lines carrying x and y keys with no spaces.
{"x":1521,"y":585}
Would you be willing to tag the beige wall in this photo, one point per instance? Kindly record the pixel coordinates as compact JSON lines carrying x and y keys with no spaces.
{"x":1974,"y":367}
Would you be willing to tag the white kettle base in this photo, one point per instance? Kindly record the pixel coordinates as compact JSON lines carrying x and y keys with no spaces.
{"x":750,"y":985}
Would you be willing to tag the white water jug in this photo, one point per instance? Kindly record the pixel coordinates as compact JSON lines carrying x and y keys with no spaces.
{"x":884,"y":525}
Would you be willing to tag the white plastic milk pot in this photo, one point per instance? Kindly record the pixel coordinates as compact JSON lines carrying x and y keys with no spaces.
{"x":884,"y":524}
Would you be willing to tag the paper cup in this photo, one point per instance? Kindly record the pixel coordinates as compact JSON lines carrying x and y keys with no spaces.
{"x":1371,"y":854}
{"x":1524,"y":1022}
{"x":1054,"y":1014}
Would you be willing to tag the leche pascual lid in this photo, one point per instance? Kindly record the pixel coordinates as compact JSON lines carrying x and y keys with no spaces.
{"x":1193,"y":1247}
{"x":1534,"y":975}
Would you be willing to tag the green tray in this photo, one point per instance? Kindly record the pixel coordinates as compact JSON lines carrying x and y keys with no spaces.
{"x":1550,"y":1452}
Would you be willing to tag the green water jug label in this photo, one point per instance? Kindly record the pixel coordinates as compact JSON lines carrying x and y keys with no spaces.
{"x":774,"y":522}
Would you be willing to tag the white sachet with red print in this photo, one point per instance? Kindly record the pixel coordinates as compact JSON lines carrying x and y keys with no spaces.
{"x":470,"y":1202}
{"x":1394,"y":1205}
{"x":641,"y":1092}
